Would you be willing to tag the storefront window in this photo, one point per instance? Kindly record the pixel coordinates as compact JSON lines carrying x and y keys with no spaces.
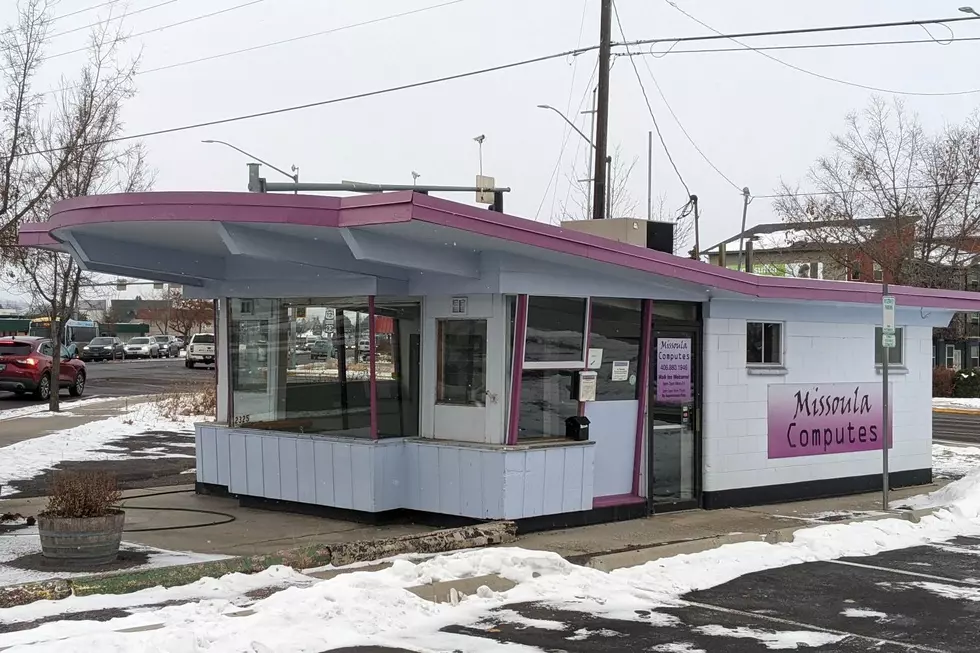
{"x":555,"y":331}
{"x":546,"y":402}
{"x":616,"y":328}
{"x":304,"y":366}
{"x":462,"y":361}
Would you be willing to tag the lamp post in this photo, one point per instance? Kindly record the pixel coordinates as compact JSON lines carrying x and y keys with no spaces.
{"x":592,"y":145}
{"x":295,"y":169}
{"x":969,"y":10}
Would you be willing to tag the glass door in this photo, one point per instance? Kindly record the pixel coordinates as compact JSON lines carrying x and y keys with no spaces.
{"x":673,"y":428}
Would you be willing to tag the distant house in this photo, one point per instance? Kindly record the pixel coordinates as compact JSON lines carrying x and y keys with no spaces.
{"x":809,"y":250}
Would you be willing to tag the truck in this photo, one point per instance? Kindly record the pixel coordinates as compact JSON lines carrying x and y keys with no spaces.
{"x":200,"y":349}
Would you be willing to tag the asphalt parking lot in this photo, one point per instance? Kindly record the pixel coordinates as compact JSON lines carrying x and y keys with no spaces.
{"x":123,"y":379}
{"x":925,"y":598}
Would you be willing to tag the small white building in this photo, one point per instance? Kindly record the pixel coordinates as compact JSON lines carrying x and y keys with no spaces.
{"x":465,"y":340}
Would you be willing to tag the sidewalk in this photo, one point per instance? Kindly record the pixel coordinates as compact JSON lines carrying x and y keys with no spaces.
{"x":35,"y":424}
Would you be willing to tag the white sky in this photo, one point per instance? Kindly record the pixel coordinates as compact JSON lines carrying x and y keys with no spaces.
{"x":757,"y":120}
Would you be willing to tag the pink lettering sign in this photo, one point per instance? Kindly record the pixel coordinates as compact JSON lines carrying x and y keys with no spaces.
{"x":825,"y":418}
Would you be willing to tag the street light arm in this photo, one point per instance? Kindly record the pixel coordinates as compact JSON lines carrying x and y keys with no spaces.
{"x":570,"y":123}
{"x":294,"y":177}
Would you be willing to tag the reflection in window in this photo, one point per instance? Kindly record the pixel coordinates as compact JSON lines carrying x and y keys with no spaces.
{"x":304,"y":366}
{"x":397,"y":347}
{"x":546,"y":402}
{"x":462,"y":362}
{"x":555,"y":330}
{"x":616,"y":326}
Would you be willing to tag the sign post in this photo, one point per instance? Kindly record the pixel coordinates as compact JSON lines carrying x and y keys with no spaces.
{"x":887,"y":342}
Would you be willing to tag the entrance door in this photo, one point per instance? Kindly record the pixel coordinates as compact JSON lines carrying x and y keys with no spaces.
{"x":673,"y":427}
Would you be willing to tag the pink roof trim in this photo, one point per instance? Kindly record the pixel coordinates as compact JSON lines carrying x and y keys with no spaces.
{"x":404,"y":206}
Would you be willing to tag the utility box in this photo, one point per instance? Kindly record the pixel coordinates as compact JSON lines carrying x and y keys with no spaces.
{"x":577,"y":428}
{"x":653,"y":235}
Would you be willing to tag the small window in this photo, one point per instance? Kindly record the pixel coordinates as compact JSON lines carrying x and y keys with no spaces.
{"x":896,"y":354}
{"x":950,"y":356}
{"x":764,"y":343}
{"x":974,"y":355}
{"x":879,"y":275}
{"x":462,"y":362}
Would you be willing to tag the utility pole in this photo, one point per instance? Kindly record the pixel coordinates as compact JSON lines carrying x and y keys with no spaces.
{"x":602,"y":110}
{"x":746,"y":198}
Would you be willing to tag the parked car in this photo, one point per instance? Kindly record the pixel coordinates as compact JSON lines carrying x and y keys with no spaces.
{"x":26,"y":363}
{"x":321,"y":349}
{"x":200,"y":349}
{"x":104,"y":348}
{"x":168,"y":346}
{"x":180,"y":343}
{"x":142,"y":348}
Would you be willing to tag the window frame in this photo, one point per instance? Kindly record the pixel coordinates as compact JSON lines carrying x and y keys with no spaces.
{"x":439,"y":360}
{"x":948,"y":358}
{"x":561,"y":365}
{"x":900,"y":338}
{"x":781,"y":364}
{"x":877,"y":272}
{"x":974,"y":347}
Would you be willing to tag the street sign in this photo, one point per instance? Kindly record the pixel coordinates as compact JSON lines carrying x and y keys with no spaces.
{"x":888,"y":316}
{"x":888,"y":340}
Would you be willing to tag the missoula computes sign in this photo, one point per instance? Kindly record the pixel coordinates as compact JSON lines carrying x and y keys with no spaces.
{"x":824,"y":418}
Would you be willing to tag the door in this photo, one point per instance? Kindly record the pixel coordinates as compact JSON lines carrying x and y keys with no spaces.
{"x":66,"y":373}
{"x":673,"y":423}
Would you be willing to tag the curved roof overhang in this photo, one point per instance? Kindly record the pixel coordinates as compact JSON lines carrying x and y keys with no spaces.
{"x":394,"y":241}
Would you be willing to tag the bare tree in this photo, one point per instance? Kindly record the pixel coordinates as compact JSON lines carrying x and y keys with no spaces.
{"x":622,"y":203}
{"x":894,"y":196}
{"x":61,"y":150}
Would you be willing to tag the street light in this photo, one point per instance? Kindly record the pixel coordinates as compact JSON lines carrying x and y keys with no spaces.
{"x":969,"y":10}
{"x":570,"y":123}
{"x":294,"y":176}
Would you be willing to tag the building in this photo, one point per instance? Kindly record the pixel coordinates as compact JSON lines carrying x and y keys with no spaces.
{"x":792,"y":250}
{"x":704,"y":387}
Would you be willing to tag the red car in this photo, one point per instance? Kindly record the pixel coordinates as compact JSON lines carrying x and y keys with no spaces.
{"x":25,"y":366}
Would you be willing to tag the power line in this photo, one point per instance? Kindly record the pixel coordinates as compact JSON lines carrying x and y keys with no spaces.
{"x":338,"y":100}
{"x":802,"y":46}
{"x":262,"y":46}
{"x":82,"y":11}
{"x":684,"y":131}
{"x":119,"y":17}
{"x":866,"y":87}
{"x":165,"y":27}
{"x":863,"y":190}
{"x":646,"y":98}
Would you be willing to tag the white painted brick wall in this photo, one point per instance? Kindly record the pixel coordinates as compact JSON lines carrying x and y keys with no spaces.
{"x":734,"y":420}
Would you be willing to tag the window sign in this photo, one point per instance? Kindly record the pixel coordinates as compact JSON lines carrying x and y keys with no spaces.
{"x":595,"y":359}
{"x":620,"y":371}
{"x":673,"y":370}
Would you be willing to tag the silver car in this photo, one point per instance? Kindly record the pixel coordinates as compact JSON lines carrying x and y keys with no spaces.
{"x":168,"y":346}
{"x":142,"y":348}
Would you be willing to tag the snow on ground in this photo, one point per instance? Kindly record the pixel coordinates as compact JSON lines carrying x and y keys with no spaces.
{"x":954,"y":461}
{"x":785,"y":639}
{"x":29,"y":458}
{"x":20,"y":542}
{"x":952,"y":402}
{"x":41,"y":410}
{"x":861,"y":613}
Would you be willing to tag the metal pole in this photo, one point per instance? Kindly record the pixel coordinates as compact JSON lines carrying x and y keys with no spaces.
{"x":602,"y":110}
{"x":588,"y":184}
{"x":609,"y":195}
{"x":884,"y":411}
{"x":650,"y":176}
{"x":697,"y":229}
{"x":741,"y":234}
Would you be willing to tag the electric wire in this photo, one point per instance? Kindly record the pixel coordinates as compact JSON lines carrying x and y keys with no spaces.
{"x":572,"y":181}
{"x":567,"y":131}
{"x":653,"y":117}
{"x":801,"y":46}
{"x":411,"y":85}
{"x":674,"y":114}
{"x":294,"y":39}
{"x":828,"y":78}
{"x":82,"y":11}
{"x":113,"y":18}
{"x":166,"y":27}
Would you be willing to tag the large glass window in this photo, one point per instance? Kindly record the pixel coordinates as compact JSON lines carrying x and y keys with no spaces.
{"x":462,"y":361}
{"x":616,"y":327}
{"x":546,"y":402}
{"x":303,"y":365}
{"x":555,"y":331}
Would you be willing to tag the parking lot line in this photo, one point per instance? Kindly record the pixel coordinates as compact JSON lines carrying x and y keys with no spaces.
{"x":874,"y":641}
{"x":904,"y":572}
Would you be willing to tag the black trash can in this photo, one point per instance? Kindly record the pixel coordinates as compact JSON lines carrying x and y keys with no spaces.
{"x":577,"y":428}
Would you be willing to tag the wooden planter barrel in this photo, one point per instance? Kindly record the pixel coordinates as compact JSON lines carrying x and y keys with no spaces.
{"x":81,"y":541}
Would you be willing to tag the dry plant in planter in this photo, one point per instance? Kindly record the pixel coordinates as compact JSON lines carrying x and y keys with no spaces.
{"x":81,"y":527}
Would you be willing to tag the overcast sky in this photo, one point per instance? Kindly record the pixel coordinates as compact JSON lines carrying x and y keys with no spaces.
{"x":757,"y":120}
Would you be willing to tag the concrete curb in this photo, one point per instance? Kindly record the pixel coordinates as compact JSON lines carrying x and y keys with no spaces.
{"x":956,"y":411}
{"x":343,"y":553}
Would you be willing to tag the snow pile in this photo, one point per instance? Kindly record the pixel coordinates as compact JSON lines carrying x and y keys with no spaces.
{"x":41,"y":410}
{"x":969,"y":403}
{"x":29,"y":458}
{"x":954,"y":461}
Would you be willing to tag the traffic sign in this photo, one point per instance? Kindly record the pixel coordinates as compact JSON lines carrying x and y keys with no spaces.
{"x":888,"y":340}
{"x":888,"y":316}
